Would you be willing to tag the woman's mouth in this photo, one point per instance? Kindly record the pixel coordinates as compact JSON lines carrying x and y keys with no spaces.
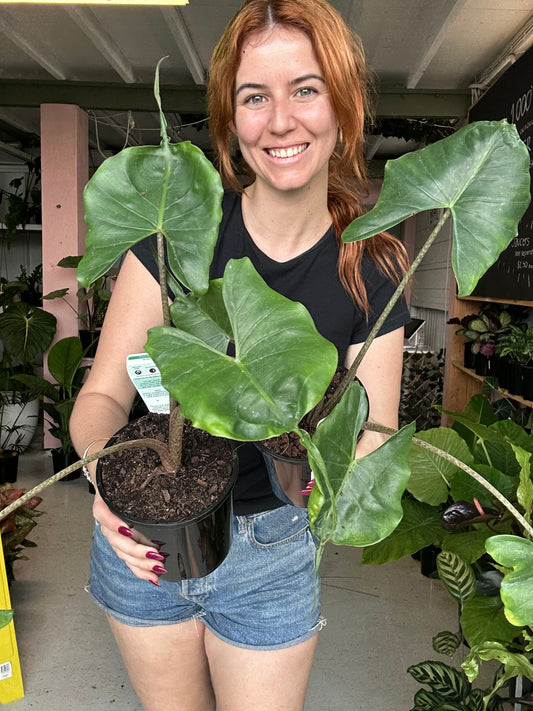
{"x":288,"y":152}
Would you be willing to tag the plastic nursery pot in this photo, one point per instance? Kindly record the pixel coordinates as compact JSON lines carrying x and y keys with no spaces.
{"x":9,"y":462}
{"x":288,"y":476}
{"x":527,"y":382}
{"x":193,"y":546}
{"x":469,"y":358}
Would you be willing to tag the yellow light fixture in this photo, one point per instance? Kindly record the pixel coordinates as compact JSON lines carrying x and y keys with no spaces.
{"x":97,"y":2}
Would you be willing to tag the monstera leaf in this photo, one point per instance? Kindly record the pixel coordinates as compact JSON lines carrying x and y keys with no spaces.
{"x":170,"y":188}
{"x":360,"y":500}
{"x":281,"y":369}
{"x":469,"y":173}
{"x":516,"y":554}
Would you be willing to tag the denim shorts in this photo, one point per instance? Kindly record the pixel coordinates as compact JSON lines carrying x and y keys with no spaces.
{"x":264,"y":595}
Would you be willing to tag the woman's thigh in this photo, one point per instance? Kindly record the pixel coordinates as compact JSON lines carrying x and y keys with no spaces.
{"x":167,"y":665}
{"x":262,"y":680}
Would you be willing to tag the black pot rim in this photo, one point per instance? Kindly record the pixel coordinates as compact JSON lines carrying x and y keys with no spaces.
{"x":183,"y":522}
{"x":9,"y":453}
{"x":290,"y":460}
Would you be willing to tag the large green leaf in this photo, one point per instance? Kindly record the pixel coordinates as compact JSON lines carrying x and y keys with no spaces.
{"x":419,"y":527}
{"x":64,"y":359}
{"x":464,"y":488}
{"x":469,"y":173}
{"x":431,"y":474}
{"x":516,"y":592}
{"x":26,"y":331}
{"x":204,"y":316}
{"x":470,"y":545}
{"x":362,"y":497}
{"x":281,"y":369}
{"x":515,"y":664}
{"x":170,"y":188}
{"x":483,"y":620}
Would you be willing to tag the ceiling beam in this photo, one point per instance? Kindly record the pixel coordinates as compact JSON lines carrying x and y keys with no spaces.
{"x":435,"y":42}
{"x":392,"y":102}
{"x":93,"y":29}
{"x":43,"y":58}
{"x":180,"y":32}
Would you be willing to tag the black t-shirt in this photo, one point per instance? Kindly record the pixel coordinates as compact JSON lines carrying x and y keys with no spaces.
{"x":312,"y":279}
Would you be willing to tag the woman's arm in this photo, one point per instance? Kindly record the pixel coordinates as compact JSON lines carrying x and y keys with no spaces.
{"x":381,"y":373}
{"x":103,"y":404}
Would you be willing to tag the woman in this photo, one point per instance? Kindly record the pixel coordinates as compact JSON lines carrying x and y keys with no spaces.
{"x":288,"y":84}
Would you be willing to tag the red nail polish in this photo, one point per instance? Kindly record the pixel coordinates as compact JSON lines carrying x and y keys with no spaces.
{"x":155,"y":556}
{"x":154,"y":583}
{"x":125,"y":531}
{"x":159,"y":570}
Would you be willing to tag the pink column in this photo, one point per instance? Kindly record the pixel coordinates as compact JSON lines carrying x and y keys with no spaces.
{"x":65,"y":172}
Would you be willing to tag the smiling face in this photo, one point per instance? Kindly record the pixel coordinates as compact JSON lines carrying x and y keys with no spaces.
{"x":283,"y":117}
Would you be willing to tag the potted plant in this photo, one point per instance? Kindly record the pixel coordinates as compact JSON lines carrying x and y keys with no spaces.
{"x":26,"y":332}
{"x":465,"y":518}
{"x":516,"y":345}
{"x":24,"y":204}
{"x":355,"y":502}
{"x":481,"y":332}
{"x":92,"y":300}
{"x":17,"y":525}
{"x":65,"y":367}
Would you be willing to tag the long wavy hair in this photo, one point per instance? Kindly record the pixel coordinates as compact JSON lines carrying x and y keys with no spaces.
{"x":342,"y":60}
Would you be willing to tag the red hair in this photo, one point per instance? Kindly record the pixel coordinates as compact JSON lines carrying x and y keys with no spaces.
{"x":341,"y":58}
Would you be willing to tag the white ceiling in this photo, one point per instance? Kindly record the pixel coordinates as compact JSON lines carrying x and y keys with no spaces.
{"x":428,"y":55}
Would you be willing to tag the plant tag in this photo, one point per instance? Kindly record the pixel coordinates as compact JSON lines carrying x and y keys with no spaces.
{"x":147,"y":380}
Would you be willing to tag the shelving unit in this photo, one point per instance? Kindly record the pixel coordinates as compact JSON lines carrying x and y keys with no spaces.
{"x":461,"y":383}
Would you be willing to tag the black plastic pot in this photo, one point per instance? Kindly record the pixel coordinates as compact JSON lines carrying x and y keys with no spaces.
{"x":89,"y":342}
{"x":61,"y":460}
{"x":195,"y":546}
{"x":527,"y":382}
{"x":515,"y":378}
{"x":288,"y":476}
{"x":9,"y":462}
{"x":469,"y":358}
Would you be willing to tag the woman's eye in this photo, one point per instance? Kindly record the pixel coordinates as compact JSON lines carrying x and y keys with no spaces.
{"x":255,"y":99}
{"x":306,"y":91}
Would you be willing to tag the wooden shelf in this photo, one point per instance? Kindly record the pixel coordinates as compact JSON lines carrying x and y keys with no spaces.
{"x":472,"y":374}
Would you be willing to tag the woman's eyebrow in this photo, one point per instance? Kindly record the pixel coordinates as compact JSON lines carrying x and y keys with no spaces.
{"x":261,"y":87}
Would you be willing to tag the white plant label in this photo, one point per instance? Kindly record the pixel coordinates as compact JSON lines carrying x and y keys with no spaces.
{"x":147,"y":380}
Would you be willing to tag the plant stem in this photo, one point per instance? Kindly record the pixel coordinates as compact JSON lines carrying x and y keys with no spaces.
{"x":160,"y":448}
{"x":351,"y":373}
{"x":461,"y":465}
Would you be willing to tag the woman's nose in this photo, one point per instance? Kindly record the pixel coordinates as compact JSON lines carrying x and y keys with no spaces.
{"x":282,"y":118}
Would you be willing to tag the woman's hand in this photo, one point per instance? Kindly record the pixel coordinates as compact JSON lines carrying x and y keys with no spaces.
{"x":138,"y":552}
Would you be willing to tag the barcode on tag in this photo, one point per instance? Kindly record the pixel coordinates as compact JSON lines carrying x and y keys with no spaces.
{"x":5,"y":671}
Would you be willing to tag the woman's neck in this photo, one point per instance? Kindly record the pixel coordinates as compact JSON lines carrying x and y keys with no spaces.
{"x":284,"y":225}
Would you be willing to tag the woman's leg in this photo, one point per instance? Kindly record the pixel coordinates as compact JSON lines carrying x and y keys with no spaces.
{"x":167,"y":665}
{"x":261,"y":680}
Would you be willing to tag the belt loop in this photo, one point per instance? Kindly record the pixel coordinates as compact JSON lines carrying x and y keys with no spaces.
{"x":242,"y":523}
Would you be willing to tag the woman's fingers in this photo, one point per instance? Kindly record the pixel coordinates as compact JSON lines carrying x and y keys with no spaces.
{"x":139,"y":553}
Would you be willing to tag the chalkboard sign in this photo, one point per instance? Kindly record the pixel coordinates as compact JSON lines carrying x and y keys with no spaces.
{"x":511,"y":277}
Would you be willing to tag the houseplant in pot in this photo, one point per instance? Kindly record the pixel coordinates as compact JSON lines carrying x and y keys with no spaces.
{"x":355,"y":502}
{"x":516,"y":345}
{"x":26,"y":332}
{"x":65,"y":367}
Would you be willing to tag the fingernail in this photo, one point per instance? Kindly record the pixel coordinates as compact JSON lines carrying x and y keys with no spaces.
{"x":154,"y":583}
{"x":125,"y":531}
{"x":159,"y":570}
{"x":155,"y":556}
{"x":158,"y":543}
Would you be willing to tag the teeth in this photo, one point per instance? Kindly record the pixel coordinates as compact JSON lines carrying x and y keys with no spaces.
{"x":287,"y":152}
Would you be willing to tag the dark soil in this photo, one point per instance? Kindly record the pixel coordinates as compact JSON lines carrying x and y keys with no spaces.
{"x":134,"y":483}
{"x":288,"y":444}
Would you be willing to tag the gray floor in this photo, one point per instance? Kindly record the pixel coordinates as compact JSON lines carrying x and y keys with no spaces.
{"x":380,"y":620}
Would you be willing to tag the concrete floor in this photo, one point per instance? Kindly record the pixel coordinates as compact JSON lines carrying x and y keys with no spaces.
{"x":381,"y":619}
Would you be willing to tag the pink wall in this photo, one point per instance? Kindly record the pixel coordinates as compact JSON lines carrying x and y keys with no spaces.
{"x":65,"y":172}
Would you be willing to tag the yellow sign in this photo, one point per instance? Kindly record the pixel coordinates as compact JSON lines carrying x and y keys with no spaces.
{"x":99,"y":2}
{"x":10,"y":677}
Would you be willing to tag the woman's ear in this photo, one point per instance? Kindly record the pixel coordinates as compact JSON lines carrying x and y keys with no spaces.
{"x":232,"y":128}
